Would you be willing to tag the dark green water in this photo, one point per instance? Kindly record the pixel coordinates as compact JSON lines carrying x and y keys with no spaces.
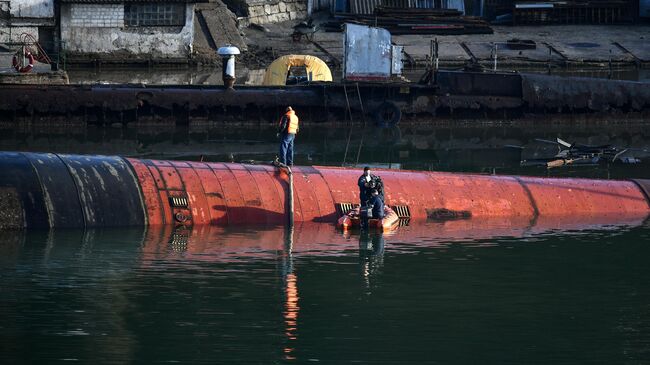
{"x":459,"y":292}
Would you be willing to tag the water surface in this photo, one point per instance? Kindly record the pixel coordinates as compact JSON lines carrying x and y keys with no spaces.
{"x":565,"y":291}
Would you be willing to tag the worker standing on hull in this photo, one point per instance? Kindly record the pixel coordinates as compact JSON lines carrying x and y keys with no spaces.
{"x":287,"y":130}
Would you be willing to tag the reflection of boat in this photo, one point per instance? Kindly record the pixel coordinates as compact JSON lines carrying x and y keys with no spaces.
{"x":211,"y":243}
{"x":352,"y":219}
{"x":235,"y":244}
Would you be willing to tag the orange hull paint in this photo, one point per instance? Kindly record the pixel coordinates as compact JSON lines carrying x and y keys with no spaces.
{"x":224,"y":193}
{"x":50,"y":190}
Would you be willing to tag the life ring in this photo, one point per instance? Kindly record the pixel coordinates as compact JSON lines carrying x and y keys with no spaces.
{"x":388,"y":114}
{"x":26,"y":68}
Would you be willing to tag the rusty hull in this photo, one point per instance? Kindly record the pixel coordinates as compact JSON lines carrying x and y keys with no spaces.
{"x":49,"y":190}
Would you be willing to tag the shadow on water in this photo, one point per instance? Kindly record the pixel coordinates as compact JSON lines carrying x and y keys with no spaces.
{"x":556,"y":290}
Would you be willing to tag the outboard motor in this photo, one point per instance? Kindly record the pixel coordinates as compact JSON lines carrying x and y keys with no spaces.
{"x":365,"y":214}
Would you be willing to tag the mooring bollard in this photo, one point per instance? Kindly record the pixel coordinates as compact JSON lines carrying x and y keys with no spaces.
{"x":228,"y":53}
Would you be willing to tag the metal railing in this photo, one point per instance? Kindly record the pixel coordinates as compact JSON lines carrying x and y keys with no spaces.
{"x":48,"y":52}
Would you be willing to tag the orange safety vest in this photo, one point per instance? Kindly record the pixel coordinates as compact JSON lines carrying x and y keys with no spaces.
{"x":292,"y":128}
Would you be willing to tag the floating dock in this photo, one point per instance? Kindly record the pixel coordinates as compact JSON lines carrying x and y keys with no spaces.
{"x":40,"y":190}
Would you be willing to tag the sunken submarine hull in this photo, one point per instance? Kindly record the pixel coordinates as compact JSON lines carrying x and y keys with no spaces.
{"x":43,"y":190}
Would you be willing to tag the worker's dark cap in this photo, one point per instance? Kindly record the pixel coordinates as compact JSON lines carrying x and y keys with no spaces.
{"x":366,"y":168}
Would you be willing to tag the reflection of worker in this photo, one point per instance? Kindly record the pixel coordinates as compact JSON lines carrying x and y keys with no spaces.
{"x":366,"y":183}
{"x":287,"y":130}
{"x":371,"y":256}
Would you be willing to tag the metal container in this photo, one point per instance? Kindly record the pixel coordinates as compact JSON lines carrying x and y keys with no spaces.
{"x":644,"y":8}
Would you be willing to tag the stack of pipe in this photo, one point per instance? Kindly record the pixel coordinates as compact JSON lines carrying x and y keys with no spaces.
{"x":419,"y":21}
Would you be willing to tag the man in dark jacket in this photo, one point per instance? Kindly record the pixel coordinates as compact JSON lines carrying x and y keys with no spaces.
{"x":374,"y":208}
{"x":366,"y":183}
{"x":377,"y":204}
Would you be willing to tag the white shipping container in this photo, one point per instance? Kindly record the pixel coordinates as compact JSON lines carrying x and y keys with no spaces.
{"x":367,"y":53}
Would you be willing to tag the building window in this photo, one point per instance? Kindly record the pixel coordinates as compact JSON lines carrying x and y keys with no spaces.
{"x":154,"y":15}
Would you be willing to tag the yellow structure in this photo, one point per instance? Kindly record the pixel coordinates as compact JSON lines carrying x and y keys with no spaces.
{"x":276,"y":74}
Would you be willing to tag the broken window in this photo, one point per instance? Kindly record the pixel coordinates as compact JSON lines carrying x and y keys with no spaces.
{"x":154,"y":15}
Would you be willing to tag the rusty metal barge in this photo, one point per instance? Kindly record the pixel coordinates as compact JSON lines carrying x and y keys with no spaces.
{"x":41,"y":190}
{"x":446,"y":93}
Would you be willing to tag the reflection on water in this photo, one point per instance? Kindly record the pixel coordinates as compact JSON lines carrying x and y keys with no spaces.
{"x":556,"y":290}
{"x":448,"y":145}
{"x":291,"y":308}
{"x":371,"y":254}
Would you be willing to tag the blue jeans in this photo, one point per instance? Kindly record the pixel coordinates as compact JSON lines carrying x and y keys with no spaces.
{"x":286,"y":148}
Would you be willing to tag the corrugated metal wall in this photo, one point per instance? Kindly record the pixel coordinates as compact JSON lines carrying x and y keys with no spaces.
{"x":368,"y":6}
{"x":363,"y":6}
{"x":419,"y":4}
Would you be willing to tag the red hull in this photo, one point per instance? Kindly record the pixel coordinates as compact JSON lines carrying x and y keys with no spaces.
{"x":49,"y":190}
{"x":222,"y":193}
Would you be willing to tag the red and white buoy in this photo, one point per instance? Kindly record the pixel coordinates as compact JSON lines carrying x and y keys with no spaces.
{"x":25,"y":63}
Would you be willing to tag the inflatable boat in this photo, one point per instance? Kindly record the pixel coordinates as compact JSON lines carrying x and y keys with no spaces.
{"x":352,"y":219}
